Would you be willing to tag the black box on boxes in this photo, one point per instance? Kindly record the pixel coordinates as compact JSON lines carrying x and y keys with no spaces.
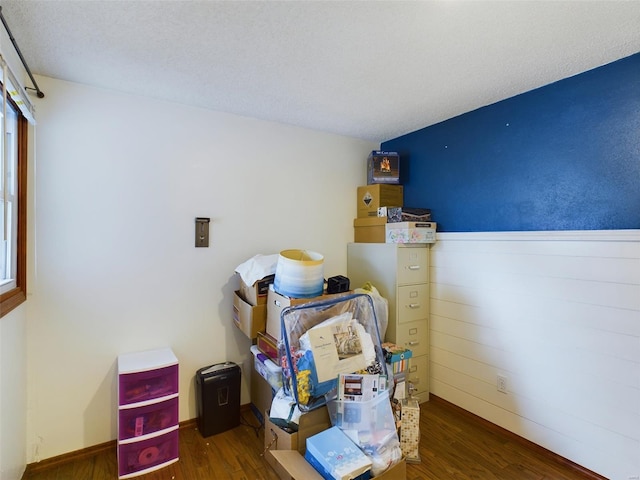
{"x":337,"y":284}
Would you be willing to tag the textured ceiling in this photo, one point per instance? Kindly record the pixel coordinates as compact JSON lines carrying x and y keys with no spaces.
{"x":373,"y":70}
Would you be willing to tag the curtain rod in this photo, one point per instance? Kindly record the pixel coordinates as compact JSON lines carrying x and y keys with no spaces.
{"x":39,"y":92}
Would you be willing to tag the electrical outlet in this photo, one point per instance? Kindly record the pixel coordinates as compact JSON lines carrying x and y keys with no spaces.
{"x":502,"y":384}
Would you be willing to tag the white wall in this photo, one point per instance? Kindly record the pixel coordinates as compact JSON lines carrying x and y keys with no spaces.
{"x":119,"y":182}
{"x":13,"y":346}
{"x":13,"y":394}
{"x":558,"y":314}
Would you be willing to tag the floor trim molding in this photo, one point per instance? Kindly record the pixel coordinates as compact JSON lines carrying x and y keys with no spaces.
{"x":84,"y":453}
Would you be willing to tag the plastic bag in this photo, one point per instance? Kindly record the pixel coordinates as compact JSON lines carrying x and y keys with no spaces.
{"x":380,"y":305}
{"x":284,"y":411}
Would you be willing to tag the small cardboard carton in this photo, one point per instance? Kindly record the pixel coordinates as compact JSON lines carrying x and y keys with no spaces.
{"x":371,"y":197}
{"x":276,"y":439}
{"x":256,"y":294}
{"x":410,"y":232}
{"x":261,"y":394}
{"x":248,"y":318}
{"x":277,"y":302}
{"x":369,"y":230}
{"x":293,"y":466}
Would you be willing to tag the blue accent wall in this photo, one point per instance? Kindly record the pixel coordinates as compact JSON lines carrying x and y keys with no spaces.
{"x":565,"y":156}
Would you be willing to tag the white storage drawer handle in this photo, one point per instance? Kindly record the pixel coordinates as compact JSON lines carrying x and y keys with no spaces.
{"x":413,"y":344}
{"x":413,"y":305}
{"x":414,"y":267}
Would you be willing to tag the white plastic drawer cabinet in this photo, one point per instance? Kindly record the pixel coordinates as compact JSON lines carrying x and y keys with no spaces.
{"x":147,"y":411}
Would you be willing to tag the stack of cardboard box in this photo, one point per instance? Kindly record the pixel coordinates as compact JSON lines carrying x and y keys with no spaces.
{"x":250,"y":316}
{"x":381,"y":215}
{"x":256,"y":312}
{"x":369,"y":227}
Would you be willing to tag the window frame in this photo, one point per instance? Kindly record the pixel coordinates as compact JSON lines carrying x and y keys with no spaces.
{"x":16,"y":296}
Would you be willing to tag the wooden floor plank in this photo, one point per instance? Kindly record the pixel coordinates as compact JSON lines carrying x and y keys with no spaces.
{"x":454,"y":445}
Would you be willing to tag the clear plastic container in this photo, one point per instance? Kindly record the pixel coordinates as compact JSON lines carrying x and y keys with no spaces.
{"x":267,"y":369}
{"x":372,"y":426}
{"x":371,"y":422}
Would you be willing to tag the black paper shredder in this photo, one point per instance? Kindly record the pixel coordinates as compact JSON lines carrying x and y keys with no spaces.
{"x":218,"y":398}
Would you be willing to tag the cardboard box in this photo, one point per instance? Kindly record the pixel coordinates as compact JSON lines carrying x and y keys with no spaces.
{"x":292,"y":466}
{"x":383,"y":167}
{"x":269,"y":346}
{"x":248,"y":318}
{"x":256,"y":294}
{"x":369,"y":230}
{"x":410,"y":232}
{"x":371,"y":197}
{"x":261,"y":394}
{"x":276,"y":439}
{"x":276,"y":302}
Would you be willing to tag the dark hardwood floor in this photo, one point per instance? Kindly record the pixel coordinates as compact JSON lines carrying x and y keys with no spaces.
{"x":454,"y":445}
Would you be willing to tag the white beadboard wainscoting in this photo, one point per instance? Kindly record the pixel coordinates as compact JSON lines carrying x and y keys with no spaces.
{"x":558,"y":315}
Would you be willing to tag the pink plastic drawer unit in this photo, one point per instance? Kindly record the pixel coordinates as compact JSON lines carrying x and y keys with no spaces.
{"x":139,"y":421}
{"x":137,"y":457}
{"x":144,"y":386}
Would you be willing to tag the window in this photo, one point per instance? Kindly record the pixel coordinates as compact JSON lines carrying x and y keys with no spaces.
{"x":13,"y":208}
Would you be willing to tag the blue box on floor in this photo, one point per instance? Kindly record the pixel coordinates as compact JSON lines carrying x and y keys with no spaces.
{"x":335,"y":457}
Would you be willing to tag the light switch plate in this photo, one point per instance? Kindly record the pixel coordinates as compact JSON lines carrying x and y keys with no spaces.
{"x":202,"y":231}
